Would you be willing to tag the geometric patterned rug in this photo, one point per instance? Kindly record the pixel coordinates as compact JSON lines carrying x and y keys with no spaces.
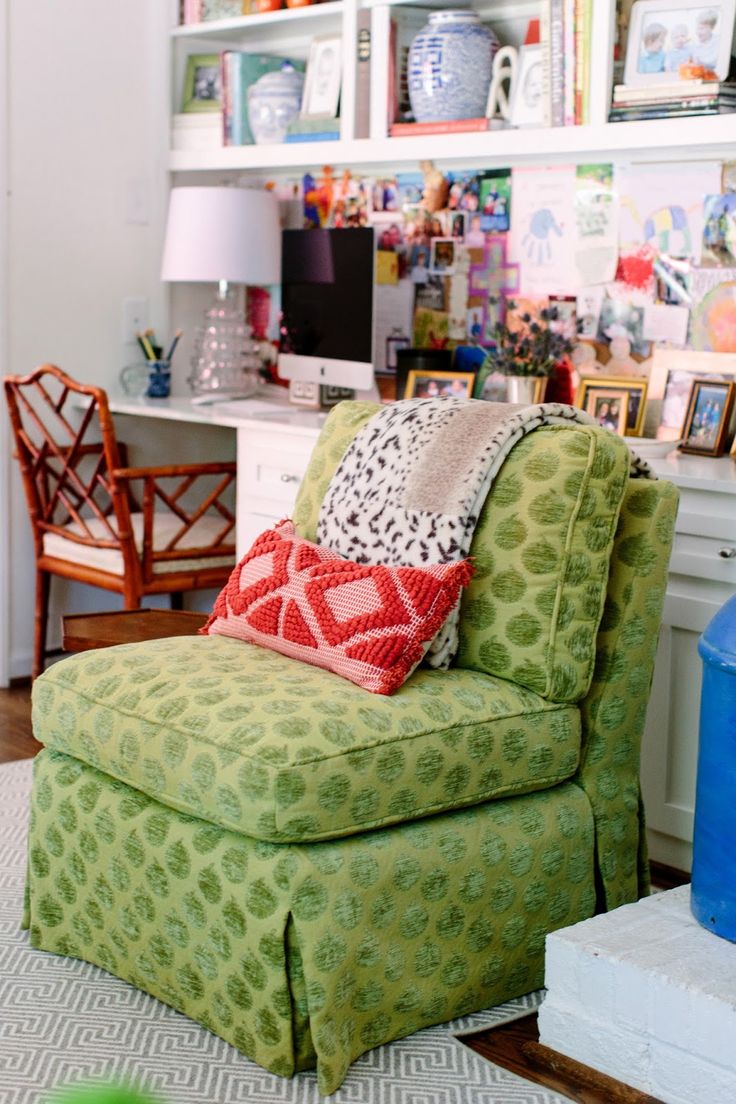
{"x":66,"y":1022}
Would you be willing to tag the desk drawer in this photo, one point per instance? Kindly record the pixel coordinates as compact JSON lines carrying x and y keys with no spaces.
{"x":707,"y":513}
{"x":272,"y":470}
{"x":704,"y":558}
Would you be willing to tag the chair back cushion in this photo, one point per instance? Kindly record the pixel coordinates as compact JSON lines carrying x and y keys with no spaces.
{"x":542,"y":550}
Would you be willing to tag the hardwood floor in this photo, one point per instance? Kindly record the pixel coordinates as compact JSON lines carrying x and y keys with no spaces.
{"x":16,"y":736}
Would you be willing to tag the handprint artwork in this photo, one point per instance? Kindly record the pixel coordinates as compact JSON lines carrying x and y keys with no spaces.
{"x":537,"y":238}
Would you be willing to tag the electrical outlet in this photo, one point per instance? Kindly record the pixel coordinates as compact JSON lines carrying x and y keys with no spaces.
{"x":135,"y":319}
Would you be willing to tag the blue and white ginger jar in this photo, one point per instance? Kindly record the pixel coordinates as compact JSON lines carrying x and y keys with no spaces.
{"x":274,"y":102}
{"x":450,"y":64}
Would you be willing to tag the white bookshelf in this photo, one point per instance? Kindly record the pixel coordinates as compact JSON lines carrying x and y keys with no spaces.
{"x":290,"y":31}
{"x":669,"y":140}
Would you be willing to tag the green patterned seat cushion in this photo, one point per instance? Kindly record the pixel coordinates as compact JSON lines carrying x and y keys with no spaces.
{"x":542,"y":550}
{"x":266,"y":745}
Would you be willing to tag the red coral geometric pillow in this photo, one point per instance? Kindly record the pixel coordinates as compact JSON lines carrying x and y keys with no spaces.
{"x":369,"y":623}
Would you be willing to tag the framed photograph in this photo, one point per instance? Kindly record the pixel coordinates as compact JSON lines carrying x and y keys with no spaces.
{"x":672,"y":374}
{"x":527,"y":94}
{"x":665,"y":35}
{"x":708,"y":414}
{"x":437,"y":384}
{"x":442,"y":256}
{"x":608,"y":406}
{"x":202,"y":86}
{"x":321,"y":95}
{"x":634,"y":392}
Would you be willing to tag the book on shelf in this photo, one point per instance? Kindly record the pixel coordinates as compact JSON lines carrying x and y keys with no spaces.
{"x":224,"y":9}
{"x":552,"y":39}
{"x":239,"y":71}
{"x":196,"y":130}
{"x":568,"y":72}
{"x":313,"y":130}
{"x":205,"y":11}
{"x":446,"y":126}
{"x":679,"y":90}
{"x":313,"y":136}
{"x":706,"y":105}
{"x":583,"y":41}
{"x":190,"y":11}
{"x":363,"y":75}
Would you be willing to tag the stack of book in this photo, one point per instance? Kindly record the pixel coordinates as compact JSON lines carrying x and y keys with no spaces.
{"x":669,"y":101}
{"x":196,"y":130}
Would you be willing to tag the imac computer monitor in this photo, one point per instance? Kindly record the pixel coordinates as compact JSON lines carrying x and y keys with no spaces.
{"x":327,"y":281}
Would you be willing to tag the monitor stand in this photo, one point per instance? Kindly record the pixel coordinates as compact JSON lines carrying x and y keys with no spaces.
{"x":318,"y":396}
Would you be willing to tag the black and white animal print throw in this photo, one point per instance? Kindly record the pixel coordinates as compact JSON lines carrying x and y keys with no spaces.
{"x":411,"y":485}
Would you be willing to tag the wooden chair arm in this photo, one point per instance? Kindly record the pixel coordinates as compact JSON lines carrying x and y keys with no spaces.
{"x":173,"y":470}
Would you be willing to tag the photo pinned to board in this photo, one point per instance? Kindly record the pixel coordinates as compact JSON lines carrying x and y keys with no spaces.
{"x":495,"y":201}
{"x":620,"y":318}
{"x":713,"y":320}
{"x":719,"y":230}
{"x":458,"y":225}
{"x":442,"y":256}
{"x":663,"y":209}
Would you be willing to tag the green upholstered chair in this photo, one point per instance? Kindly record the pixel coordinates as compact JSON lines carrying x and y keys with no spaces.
{"x":310,"y":870}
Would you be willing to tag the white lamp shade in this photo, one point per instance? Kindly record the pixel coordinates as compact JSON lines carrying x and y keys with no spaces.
{"x":215,"y":234}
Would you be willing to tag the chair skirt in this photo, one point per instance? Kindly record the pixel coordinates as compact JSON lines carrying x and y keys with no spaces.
{"x":304,"y":955}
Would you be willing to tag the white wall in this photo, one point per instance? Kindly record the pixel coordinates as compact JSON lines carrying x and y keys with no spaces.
{"x":4,"y":448}
{"x":88,"y":87}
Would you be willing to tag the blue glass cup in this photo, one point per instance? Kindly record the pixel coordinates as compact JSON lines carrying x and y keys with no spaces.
{"x":159,"y":379}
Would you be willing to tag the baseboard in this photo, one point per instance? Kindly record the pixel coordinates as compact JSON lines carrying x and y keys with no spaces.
{"x":667,"y":877}
{"x":22,"y":665}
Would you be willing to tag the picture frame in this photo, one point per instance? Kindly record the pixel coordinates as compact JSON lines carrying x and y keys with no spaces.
{"x":321,"y":95}
{"x":667,"y":34}
{"x":706,"y":424}
{"x":670,"y":378}
{"x":633,"y":388}
{"x":527,"y":94}
{"x":202,"y":89}
{"x":438,"y":384}
{"x":608,"y":405}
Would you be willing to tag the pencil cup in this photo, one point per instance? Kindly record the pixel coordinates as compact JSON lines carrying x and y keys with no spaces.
{"x":149,"y":378}
{"x":159,"y":379}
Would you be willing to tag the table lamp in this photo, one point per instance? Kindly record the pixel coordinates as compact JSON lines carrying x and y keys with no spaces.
{"x":223,"y":235}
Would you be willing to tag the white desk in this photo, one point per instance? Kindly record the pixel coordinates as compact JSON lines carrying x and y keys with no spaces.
{"x":274,"y":443}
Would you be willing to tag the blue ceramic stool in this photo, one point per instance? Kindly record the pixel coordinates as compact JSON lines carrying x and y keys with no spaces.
{"x":713,"y":899}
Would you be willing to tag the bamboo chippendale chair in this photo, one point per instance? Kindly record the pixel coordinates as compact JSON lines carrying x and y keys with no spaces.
{"x":87,"y":524}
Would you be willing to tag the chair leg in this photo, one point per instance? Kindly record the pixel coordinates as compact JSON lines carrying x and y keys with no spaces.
{"x":131,"y":599}
{"x":177,"y":600}
{"x":43,"y":580}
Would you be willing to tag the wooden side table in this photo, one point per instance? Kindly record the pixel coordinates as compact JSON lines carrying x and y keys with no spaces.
{"x":82,"y":631}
